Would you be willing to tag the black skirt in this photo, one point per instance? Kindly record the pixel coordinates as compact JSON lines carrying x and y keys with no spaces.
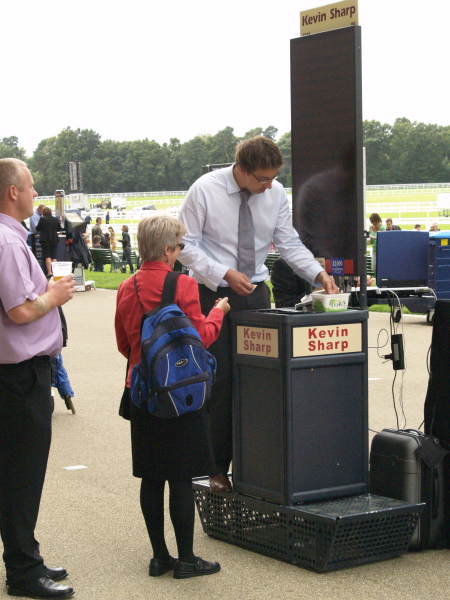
{"x":176,"y":449}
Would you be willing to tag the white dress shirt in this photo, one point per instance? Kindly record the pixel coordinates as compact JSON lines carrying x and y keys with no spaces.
{"x":210,"y":213}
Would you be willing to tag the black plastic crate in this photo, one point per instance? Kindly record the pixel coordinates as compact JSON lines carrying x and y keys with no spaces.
{"x":321,"y":536}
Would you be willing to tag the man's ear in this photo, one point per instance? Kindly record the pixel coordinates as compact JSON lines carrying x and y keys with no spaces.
{"x":12,"y":192}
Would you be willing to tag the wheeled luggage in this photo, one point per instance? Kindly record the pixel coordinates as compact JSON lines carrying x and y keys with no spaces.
{"x":408,"y":465}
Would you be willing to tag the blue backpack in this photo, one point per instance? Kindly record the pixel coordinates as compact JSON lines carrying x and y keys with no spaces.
{"x":175,"y":373}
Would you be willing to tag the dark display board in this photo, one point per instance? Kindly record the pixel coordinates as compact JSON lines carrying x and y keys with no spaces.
{"x":402,"y":258}
{"x":327,"y":152}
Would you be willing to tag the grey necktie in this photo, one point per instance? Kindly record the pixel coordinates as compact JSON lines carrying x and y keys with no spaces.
{"x":246,"y":237}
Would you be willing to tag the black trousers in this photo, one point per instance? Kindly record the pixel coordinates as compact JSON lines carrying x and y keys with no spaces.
{"x":25,"y":435}
{"x":220,"y":403}
{"x":127,"y":257}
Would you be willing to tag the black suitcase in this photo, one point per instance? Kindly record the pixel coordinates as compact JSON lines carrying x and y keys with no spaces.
{"x":408,"y":465}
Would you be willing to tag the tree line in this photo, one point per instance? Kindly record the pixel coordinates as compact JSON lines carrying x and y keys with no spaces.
{"x":405,"y":152}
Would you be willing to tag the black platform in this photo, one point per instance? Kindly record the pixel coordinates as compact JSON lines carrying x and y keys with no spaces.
{"x":321,"y":536}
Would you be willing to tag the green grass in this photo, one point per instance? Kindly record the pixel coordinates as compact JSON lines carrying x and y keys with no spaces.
{"x":105,"y":279}
{"x":384,"y":308}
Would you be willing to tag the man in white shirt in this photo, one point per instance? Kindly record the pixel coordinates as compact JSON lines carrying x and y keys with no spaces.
{"x":211,"y":212}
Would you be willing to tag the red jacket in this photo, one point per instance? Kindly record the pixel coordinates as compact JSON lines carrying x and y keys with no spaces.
{"x":150,"y":280}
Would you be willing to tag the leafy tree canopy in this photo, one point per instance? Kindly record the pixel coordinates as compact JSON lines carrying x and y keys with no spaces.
{"x":405,"y":152}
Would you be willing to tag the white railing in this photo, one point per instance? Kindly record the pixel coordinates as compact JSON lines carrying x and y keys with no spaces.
{"x":407,"y":186}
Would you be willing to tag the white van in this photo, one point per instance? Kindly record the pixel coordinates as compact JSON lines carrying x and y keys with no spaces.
{"x":118,"y":203}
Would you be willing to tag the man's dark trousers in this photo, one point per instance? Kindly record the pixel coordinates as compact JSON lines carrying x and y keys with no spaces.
{"x":25,"y":433}
{"x":220,"y":403}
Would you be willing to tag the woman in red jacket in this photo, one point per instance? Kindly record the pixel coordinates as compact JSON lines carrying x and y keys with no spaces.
{"x":173,"y":450}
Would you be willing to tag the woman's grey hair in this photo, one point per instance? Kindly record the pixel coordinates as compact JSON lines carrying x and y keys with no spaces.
{"x":157,"y":232}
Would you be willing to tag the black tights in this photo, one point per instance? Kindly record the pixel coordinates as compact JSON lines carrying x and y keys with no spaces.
{"x":182,"y":515}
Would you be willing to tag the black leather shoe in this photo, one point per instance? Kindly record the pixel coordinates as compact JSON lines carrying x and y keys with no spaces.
{"x":56,"y":574}
{"x":42,"y":588}
{"x":184,"y":570}
{"x":160,"y":567}
{"x":219,"y":483}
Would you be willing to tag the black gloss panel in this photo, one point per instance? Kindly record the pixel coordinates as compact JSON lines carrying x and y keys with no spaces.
{"x":327,"y":159}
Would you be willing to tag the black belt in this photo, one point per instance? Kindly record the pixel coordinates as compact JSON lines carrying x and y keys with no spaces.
{"x":33,"y":360}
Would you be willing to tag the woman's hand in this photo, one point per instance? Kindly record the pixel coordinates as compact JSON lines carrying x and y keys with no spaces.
{"x":222,"y":303}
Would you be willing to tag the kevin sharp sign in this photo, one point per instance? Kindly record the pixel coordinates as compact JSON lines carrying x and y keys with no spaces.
{"x":257,"y":341}
{"x":331,"y":16}
{"x":329,"y":339}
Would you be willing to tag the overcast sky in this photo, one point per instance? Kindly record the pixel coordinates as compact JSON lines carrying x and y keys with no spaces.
{"x":161,"y":69}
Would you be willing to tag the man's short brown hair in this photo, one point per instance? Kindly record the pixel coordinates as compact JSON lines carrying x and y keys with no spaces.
{"x":375,"y":218}
{"x":258,"y":153}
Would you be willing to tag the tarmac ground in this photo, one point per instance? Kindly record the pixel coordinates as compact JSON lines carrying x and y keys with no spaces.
{"x":90,"y":520}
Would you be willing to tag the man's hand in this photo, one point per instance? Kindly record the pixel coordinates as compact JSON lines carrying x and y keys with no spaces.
{"x":61,"y":291}
{"x":57,"y":294}
{"x":239,"y":282}
{"x":327,"y":283}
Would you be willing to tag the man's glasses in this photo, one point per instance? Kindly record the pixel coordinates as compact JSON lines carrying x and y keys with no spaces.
{"x":181,"y":246}
{"x":264,"y":179}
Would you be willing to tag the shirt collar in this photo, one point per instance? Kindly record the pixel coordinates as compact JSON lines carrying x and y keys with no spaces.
{"x":232,"y":184}
{"x":15,"y":225}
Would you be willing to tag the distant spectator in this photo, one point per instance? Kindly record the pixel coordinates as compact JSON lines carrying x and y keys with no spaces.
{"x":105,"y":241}
{"x":417,"y":227}
{"x":126,"y":246}
{"x":376,"y":226}
{"x":96,"y":229}
{"x":112,"y":239}
{"x":434,"y":227}
{"x":98,"y":266}
{"x":48,"y":227}
{"x":88,"y":219}
{"x":107,"y":218}
{"x":96,"y":241}
{"x":34,"y":220}
{"x":288,"y":288}
{"x":390,"y":226}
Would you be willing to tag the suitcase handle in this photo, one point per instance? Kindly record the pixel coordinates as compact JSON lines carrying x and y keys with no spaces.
{"x":414,"y":431}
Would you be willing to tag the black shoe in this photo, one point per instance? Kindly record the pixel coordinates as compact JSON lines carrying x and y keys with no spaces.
{"x":184,"y":570}
{"x":220,"y":483}
{"x":42,"y":588}
{"x":56,"y":574}
{"x":160,"y":567}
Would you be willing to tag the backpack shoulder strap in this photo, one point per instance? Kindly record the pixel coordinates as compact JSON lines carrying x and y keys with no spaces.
{"x":170,"y":288}
{"x":136,"y":290}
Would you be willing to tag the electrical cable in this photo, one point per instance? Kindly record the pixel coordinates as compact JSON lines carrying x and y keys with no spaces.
{"x":393,"y":399}
{"x":378,"y":347}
